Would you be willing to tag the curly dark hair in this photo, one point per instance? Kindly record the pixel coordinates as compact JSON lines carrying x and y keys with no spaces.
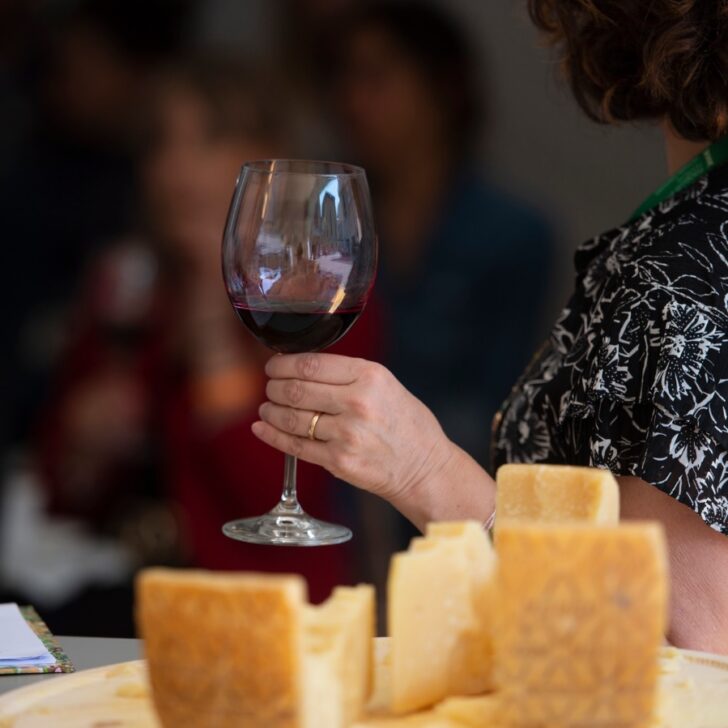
{"x":643,"y":59}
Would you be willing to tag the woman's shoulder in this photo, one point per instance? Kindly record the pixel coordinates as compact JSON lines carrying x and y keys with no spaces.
{"x":676,"y":252}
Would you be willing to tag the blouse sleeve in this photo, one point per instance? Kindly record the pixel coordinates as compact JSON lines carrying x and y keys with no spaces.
{"x":649,"y":398}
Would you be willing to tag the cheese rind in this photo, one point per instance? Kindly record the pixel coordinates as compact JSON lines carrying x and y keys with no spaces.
{"x":580,"y":618}
{"x":555,"y":494}
{"x":440,"y":595}
{"x":224,"y":650}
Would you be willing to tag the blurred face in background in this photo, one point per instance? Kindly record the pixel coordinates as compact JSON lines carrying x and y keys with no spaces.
{"x":388,"y":108}
{"x":93,"y":88}
{"x":190,"y":174}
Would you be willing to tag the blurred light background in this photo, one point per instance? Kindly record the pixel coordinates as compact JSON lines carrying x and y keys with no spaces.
{"x":128,"y":385}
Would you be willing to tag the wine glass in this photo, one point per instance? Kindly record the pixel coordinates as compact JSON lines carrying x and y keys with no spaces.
{"x":299,"y":259}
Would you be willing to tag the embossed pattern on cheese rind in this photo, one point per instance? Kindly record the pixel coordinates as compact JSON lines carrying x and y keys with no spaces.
{"x":224,"y":651}
{"x":579,"y":623}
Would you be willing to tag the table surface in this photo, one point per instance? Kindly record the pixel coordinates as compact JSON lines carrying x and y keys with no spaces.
{"x":85,"y":652}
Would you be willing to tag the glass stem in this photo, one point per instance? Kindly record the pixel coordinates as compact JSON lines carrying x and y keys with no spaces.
{"x":289,"y":498}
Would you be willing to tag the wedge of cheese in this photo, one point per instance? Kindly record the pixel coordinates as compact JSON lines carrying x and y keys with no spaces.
{"x":471,"y":669}
{"x":224,"y":651}
{"x":556,"y":494}
{"x":246,"y":650}
{"x":580,"y":618}
{"x":440,"y":597}
{"x":339,"y":656}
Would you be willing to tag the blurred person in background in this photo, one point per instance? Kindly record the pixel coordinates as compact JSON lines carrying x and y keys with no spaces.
{"x":161,"y":383}
{"x":74,"y":76}
{"x":463,"y":263}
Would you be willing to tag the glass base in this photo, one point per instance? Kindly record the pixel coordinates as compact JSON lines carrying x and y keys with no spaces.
{"x":279,"y":528}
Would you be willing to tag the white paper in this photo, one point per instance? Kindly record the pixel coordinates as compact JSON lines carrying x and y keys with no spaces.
{"x":17,"y":639}
{"x":42,"y":661}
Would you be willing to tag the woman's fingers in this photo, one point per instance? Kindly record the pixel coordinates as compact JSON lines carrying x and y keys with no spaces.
{"x":301,"y":395}
{"x":311,"y":451}
{"x":324,"y":368}
{"x":296,"y":422}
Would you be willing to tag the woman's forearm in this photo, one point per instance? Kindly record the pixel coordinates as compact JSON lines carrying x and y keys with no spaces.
{"x":450,"y":486}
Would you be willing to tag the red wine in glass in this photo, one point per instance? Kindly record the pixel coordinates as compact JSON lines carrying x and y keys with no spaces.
{"x":294,"y":331}
{"x":299,"y":259}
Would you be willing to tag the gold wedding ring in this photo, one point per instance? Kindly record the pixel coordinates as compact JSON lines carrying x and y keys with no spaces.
{"x":312,"y":426}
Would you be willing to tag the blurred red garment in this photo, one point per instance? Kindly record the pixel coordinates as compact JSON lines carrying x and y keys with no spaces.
{"x":210,"y":471}
{"x":228,"y":474}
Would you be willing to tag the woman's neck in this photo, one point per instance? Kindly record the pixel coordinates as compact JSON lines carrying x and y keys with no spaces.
{"x":679,"y":150}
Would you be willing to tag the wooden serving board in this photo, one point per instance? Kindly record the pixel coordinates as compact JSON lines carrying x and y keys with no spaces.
{"x":105,"y":697}
{"x":694,"y":695}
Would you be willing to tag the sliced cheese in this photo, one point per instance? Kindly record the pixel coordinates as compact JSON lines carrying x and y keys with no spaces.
{"x":439,"y":599}
{"x":455,"y":712}
{"x":580,"y":618}
{"x":428,"y":608}
{"x":430,"y":719}
{"x":555,"y":494}
{"x":427,"y":719}
{"x":339,"y":659}
{"x":478,"y":711}
{"x":471,"y":664}
{"x":224,"y":650}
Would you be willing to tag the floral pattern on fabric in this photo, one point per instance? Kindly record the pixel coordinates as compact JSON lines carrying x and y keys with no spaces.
{"x":634,"y":375}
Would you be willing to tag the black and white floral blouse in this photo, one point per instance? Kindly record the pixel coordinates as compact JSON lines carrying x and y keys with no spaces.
{"x":634,"y":375}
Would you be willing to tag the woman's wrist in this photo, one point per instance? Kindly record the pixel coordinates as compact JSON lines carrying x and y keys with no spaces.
{"x":450,"y":486}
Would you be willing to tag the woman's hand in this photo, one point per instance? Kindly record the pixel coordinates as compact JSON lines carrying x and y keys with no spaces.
{"x":372,"y":433}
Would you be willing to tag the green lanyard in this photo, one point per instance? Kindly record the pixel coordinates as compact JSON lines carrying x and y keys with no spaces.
{"x":714,"y":155}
